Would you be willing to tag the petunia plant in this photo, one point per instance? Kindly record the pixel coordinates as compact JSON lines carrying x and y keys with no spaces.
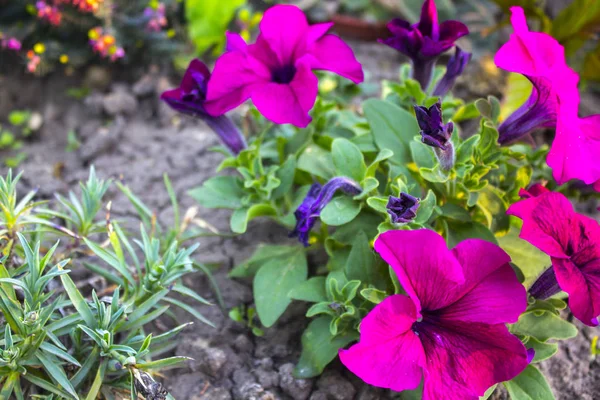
{"x":434,"y":244}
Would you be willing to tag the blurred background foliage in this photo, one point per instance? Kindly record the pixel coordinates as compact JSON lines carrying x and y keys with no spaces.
{"x":149,"y":30}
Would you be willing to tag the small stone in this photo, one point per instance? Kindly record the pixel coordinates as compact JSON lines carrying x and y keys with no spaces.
{"x":120,"y":102}
{"x":145,"y":86}
{"x":213,"y":393}
{"x":267,"y":378}
{"x":297,"y":389}
{"x":253,"y":391}
{"x":103,"y":139}
{"x":243,"y":344}
{"x":336,"y":386}
{"x":318,"y":395}
{"x":94,"y":104}
{"x":212,"y":360}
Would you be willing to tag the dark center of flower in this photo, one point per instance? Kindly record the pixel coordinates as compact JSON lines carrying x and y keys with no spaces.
{"x":283,"y":74}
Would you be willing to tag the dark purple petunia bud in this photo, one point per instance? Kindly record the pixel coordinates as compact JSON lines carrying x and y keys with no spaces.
{"x":436,"y":134}
{"x":315,"y":201}
{"x":545,"y":286}
{"x":425,"y":41}
{"x":402,"y":209}
{"x":456,"y":66}
{"x":189,"y":99}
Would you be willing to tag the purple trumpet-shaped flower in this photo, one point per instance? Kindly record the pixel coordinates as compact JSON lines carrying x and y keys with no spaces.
{"x":456,"y":65}
{"x":539,"y":111}
{"x":189,"y":98}
{"x":436,"y":134}
{"x":315,"y":201}
{"x":424,"y":41}
{"x":402,"y":209}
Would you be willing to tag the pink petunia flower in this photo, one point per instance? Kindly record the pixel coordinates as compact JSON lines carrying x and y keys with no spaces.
{"x":572,"y":241}
{"x":276,"y":71}
{"x":450,"y":329}
{"x":554,"y":102}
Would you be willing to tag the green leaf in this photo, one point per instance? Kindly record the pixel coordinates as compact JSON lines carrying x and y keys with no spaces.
{"x":382,"y":156}
{"x":362,"y":263}
{"x":317,"y":161}
{"x":457,"y":232}
{"x":488,"y":393}
{"x":262,"y":254}
{"x":274,"y":281}
{"x":78,"y":301}
{"x":591,"y":65}
{"x":529,"y":385}
{"x":543,"y":325}
{"x":518,"y":90}
{"x":49,"y":386}
{"x":531,"y":261}
{"x":392,"y":127}
{"x":543,"y":351}
{"x":348,"y":160}
{"x":577,"y":18}
{"x":241,"y":216}
{"x":57,"y":373}
{"x":285,"y":174}
{"x":165,"y":362}
{"x":435,"y":174}
{"x":220,"y":192}
{"x":375,"y":296}
{"x":208,"y":21}
{"x":98,"y":380}
{"x":426,"y":207}
{"x":185,"y":307}
{"x":319,"y":347}
{"x":340,"y":211}
{"x":312,"y":290}
{"x":422,"y":155}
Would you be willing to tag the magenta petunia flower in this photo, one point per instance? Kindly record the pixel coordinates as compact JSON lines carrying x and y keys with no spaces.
{"x":424,"y":41}
{"x":276,"y":71}
{"x":189,"y":98}
{"x":450,"y":330}
{"x":554,"y":102}
{"x":572,"y":241}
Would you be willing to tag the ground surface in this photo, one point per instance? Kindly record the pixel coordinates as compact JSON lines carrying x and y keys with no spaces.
{"x":126,"y":133}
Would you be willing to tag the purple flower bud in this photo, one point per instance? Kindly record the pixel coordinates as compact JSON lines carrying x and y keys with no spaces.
{"x":539,"y":111}
{"x":436,"y":134}
{"x":433,"y":132}
{"x":424,"y":41}
{"x":545,"y":286}
{"x":315,"y":201}
{"x":456,"y":66}
{"x":189,"y":98}
{"x":402,"y":209}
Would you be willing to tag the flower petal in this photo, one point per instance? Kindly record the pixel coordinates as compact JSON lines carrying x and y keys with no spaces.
{"x":331,"y":53}
{"x":428,"y":23}
{"x":464,"y":359}
{"x":235,"y":77}
{"x":288,"y":103}
{"x":582,"y":283}
{"x":574,"y":153}
{"x":491,"y":293}
{"x":451,"y":31}
{"x":235,"y":42}
{"x":426,"y":269}
{"x":546,"y":222}
{"x":389,"y":354}
{"x":284,"y":27}
{"x":188,"y":83}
